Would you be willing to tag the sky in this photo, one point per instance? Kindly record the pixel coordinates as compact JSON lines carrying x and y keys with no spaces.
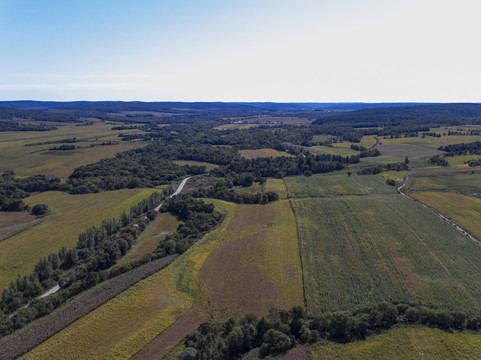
{"x":249,"y":50}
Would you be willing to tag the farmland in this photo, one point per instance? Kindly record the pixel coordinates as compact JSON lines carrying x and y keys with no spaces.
{"x":253,"y":154}
{"x":404,"y":343}
{"x":18,"y":153}
{"x":70,"y":215}
{"x":387,"y":247}
{"x":331,"y":185}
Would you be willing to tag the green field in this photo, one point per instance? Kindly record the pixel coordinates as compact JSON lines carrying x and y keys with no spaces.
{"x":37,"y":159}
{"x":254,"y":154}
{"x":332,"y":185}
{"x":391,"y":153}
{"x":384,"y":248}
{"x":466,"y":183}
{"x":335,"y":150}
{"x":208,"y":166}
{"x":148,"y":240}
{"x":70,"y":215}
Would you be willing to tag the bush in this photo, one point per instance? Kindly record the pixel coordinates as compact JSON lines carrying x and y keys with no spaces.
{"x":40,"y":209}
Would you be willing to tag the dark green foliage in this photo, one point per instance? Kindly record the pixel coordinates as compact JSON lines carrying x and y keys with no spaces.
{"x":462,"y":149}
{"x":373,"y":170}
{"x":39,"y":209}
{"x":236,"y":337}
{"x":13,"y":190}
{"x":438,"y":160}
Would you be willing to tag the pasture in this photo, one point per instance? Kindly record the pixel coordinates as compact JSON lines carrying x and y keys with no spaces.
{"x":70,"y":215}
{"x":335,"y":184}
{"x":260,"y":153}
{"x":384,"y":247}
{"x":278,"y":186}
{"x":464,"y":183}
{"x":38,"y":159}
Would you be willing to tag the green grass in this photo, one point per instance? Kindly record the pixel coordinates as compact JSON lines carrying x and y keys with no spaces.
{"x":70,"y":215}
{"x":332,"y":185}
{"x":384,"y":247}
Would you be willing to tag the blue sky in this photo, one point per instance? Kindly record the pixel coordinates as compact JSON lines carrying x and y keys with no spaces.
{"x":265,"y":50}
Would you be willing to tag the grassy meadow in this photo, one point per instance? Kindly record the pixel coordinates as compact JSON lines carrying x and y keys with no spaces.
{"x":148,"y":240}
{"x":70,"y":215}
{"x":208,"y":166}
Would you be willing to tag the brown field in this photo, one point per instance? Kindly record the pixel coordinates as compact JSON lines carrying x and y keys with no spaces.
{"x":12,"y":223}
{"x":160,"y":346}
{"x":261,"y":244}
{"x":14,"y":218}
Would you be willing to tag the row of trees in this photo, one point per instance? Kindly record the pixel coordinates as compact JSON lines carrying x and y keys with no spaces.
{"x":86,"y":265}
{"x":234,"y":338}
{"x":462,"y":149}
{"x":372,"y":170}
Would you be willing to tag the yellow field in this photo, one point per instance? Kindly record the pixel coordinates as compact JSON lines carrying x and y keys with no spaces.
{"x":278,"y":186}
{"x":127,"y":323}
{"x":148,"y":240}
{"x":32,"y":160}
{"x":236,"y":126}
{"x":70,"y":215}
{"x":253,"y":154}
{"x":404,"y":343}
{"x":208,"y":166}
{"x":185,"y":291}
{"x":464,"y":210}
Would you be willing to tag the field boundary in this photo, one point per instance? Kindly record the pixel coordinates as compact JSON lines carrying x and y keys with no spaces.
{"x":300,"y":255}
{"x":445,"y":218}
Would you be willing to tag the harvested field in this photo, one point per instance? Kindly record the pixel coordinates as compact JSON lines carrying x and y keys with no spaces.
{"x":384,"y":248}
{"x":259,"y":153}
{"x":70,"y":215}
{"x":333,"y":185}
{"x":261,"y":244}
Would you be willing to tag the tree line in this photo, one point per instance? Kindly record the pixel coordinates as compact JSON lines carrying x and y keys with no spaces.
{"x":98,"y":248}
{"x":274,"y":336}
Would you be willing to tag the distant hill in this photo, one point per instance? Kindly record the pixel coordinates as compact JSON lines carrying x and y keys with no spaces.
{"x":179,"y":108}
{"x":422,"y":113}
